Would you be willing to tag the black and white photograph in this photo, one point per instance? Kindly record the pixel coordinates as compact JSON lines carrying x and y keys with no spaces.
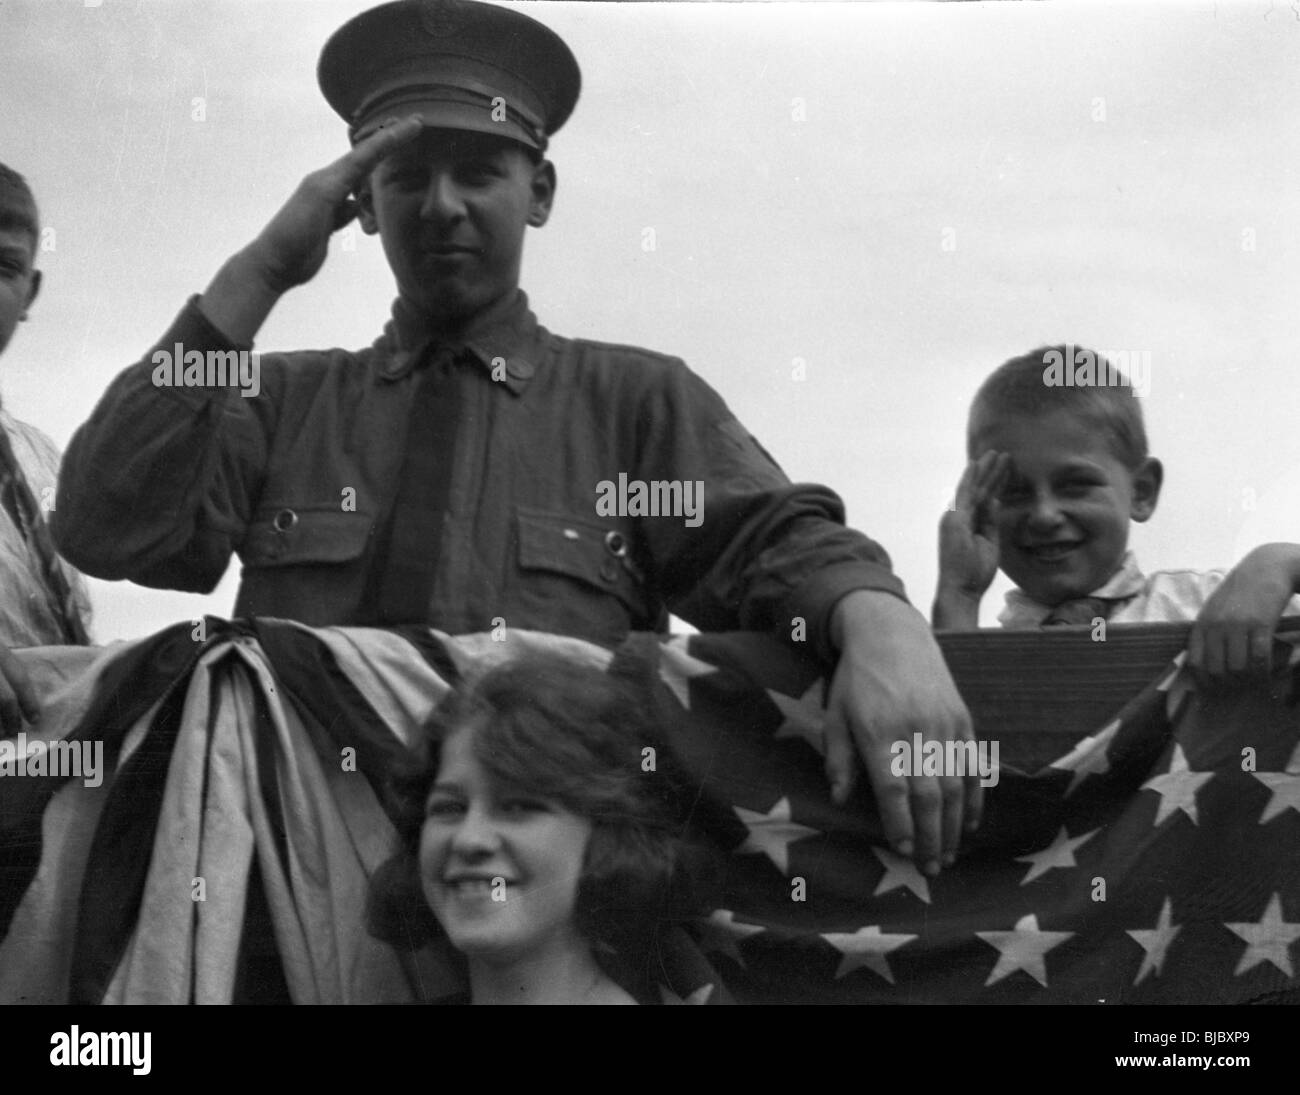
{"x":650,"y":503}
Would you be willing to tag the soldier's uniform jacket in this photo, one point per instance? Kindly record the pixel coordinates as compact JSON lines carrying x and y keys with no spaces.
{"x":163,"y":483}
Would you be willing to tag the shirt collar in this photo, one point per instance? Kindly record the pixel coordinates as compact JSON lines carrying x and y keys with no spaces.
{"x":503,"y":341}
{"x":1022,"y":611}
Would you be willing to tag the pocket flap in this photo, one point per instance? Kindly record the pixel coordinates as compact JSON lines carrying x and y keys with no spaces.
{"x":577,"y":548}
{"x":293,"y":535}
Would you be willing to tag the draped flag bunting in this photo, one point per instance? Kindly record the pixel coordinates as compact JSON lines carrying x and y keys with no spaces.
{"x":1141,"y":843}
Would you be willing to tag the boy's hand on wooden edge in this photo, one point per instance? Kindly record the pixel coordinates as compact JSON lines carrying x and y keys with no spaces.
{"x":1232,"y":640}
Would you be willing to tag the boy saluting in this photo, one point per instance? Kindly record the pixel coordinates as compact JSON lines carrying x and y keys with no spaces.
{"x":448,"y":475}
{"x":1057,"y":474}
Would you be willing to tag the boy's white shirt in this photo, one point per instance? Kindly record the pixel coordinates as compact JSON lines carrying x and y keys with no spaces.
{"x":25,"y":616}
{"x":1167,"y":596}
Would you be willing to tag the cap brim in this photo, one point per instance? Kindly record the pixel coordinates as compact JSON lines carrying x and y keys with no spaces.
{"x":444,"y":115}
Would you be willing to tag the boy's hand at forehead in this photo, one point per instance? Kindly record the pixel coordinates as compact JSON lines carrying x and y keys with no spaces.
{"x":1233,"y":635}
{"x":291,"y":249}
{"x":968,"y":542}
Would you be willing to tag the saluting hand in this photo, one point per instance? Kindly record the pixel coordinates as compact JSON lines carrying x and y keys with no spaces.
{"x":291,"y":249}
{"x":968,"y":542}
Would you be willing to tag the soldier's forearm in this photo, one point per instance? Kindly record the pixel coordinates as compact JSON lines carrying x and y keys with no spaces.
{"x":239,"y":298}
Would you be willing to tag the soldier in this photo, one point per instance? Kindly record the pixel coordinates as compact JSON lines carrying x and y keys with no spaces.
{"x":450,"y":474}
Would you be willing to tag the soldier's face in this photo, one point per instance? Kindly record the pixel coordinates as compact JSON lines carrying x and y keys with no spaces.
{"x":451,"y":209}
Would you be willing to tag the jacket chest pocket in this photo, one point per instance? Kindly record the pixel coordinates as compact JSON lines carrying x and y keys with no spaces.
{"x":291,"y":536}
{"x":306,"y":563}
{"x":580,"y":572}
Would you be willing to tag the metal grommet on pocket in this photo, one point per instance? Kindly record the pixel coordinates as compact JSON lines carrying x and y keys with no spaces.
{"x":284,"y":521}
{"x":616,"y":542}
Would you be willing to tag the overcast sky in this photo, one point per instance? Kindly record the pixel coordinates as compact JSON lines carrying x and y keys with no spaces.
{"x":900,"y":196}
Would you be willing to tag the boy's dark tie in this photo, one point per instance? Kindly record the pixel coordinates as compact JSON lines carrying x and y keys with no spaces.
{"x":1081,"y":611}
{"x":20,"y":504}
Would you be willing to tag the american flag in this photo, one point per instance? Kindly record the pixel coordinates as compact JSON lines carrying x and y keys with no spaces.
{"x":1140,"y":845}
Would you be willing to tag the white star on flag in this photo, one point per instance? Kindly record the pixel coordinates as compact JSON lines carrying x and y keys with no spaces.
{"x":772,"y":833}
{"x":1089,"y":757}
{"x":1156,"y":942}
{"x":1060,"y":853}
{"x":1267,"y":941}
{"x":803,"y":718}
{"x":1285,"y":786}
{"x":1177,"y":787}
{"x":677,"y":668}
{"x":900,"y":872}
{"x":699,"y":996}
{"x":1023,"y":948}
{"x":723,"y":933}
{"x":867,"y":948}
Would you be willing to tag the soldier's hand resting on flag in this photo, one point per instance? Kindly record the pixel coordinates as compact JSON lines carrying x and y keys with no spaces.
{"x":891,"y":682}
{"x":17,"y":696}
{"x":1232,"y":639}
{"x":968,"y":543}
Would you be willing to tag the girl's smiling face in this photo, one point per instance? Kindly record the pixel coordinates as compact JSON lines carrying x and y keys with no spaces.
{"x":1063,"y":515}
{"x":499,"y":869}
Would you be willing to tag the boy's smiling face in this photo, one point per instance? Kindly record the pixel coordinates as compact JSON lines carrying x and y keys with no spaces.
{"x":1064,"y":513}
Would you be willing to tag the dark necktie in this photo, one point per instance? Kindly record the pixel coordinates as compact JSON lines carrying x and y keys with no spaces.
{"x":20,"y":503}
{"x":1081,"y":611}
{"x":407,"y":561}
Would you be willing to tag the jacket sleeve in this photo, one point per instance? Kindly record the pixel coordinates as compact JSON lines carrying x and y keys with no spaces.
{"x":158,"y":484}
{"x":766,"y":553}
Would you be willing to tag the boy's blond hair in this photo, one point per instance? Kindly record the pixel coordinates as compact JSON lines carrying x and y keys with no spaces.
{"x":1019,"y":388}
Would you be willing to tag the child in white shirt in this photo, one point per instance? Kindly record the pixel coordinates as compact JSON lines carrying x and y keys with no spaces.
{"x":1056,"y":474}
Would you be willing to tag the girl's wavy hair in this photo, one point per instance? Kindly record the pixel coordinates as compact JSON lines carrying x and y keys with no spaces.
{"x":556,"y":729}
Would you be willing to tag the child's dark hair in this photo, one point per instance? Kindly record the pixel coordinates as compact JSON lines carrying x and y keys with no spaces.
{"x":1020,"y":388}
{"x":18,"y":204}
{"x":567,"y":732}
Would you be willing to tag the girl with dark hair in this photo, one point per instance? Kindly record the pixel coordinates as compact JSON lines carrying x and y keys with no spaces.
{"x":538,"y":837}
